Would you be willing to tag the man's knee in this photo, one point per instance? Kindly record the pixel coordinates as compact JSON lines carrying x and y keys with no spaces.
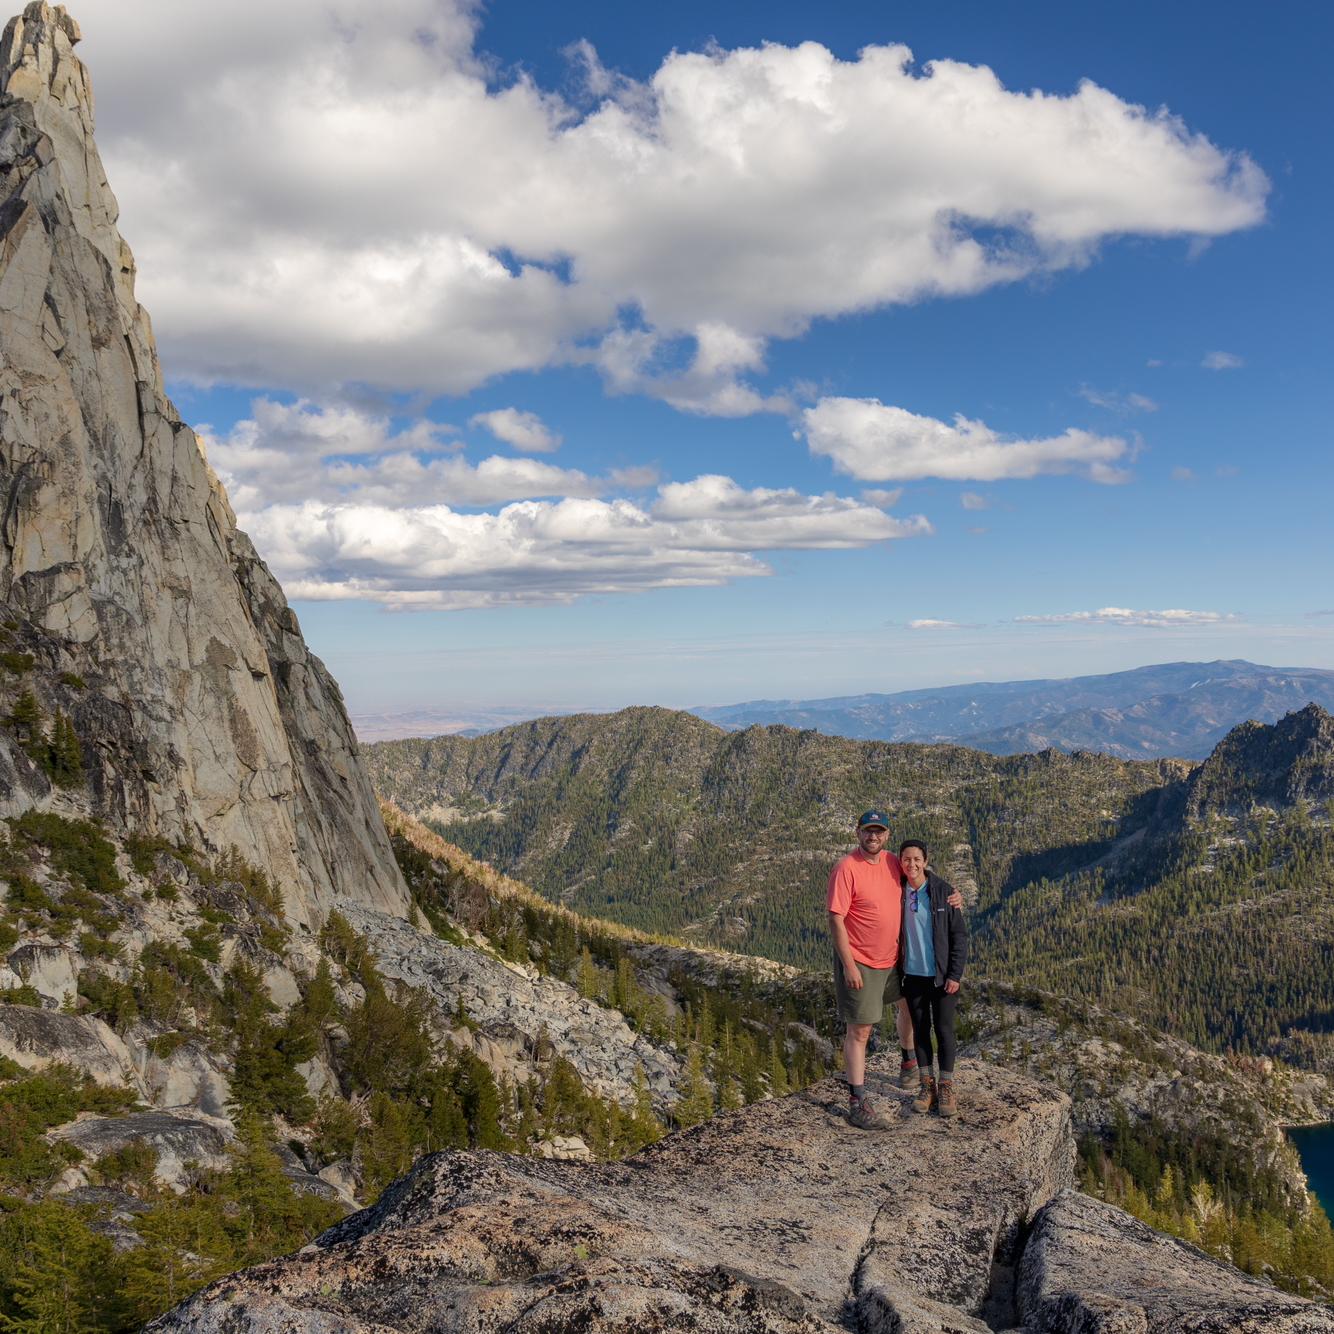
{"x":860,"y":1033}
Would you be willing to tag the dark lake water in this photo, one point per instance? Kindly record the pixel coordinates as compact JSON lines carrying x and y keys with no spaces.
{"x":1316,"y":1146}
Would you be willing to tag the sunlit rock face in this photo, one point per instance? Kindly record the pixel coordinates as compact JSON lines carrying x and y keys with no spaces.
{"x":205,"y":716}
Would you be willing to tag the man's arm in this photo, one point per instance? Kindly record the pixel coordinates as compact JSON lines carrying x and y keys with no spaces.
{"x":958,"y":949}
{"x":838,"y":930}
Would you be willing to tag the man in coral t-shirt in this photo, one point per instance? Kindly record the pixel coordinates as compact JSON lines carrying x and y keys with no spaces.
{"x":865,"y":914}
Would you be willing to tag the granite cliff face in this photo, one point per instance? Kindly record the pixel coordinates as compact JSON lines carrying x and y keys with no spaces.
{"x":205,"y":718}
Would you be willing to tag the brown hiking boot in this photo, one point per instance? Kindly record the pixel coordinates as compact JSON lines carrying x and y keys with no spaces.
{"x":910,"y":1074}
{"x":946,"y":1103}
{"x":925,"y":1100}
{"x":862,"y":1113}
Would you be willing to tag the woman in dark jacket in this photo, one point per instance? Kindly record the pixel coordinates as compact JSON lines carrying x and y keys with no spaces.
{"x":933,"y":949}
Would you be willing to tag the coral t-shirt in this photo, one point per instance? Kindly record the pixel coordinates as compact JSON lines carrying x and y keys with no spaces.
{"x":869,"y":897}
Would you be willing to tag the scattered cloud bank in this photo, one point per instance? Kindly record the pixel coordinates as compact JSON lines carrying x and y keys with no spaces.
{"x":359,"y":195}
{"x":1222,"y":361}
{"x":971,"y":500}
{"x":876,"y":442}
{"x":433,"y":558}
{"x":930,"y":623}
{"x":523,"y":430}
{"x":344,"y":505}
{"x":1173,"y":617}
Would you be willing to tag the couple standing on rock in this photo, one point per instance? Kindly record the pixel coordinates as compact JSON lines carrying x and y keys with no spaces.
{"x":899,"y":936}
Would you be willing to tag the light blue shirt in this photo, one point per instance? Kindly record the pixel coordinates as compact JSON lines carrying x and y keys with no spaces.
{"x":919,"y":932}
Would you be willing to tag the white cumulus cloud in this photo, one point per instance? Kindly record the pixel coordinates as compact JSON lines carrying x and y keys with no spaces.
{"x":930,"y":623}
{"x":1222,"y":361}
{"x":323,"y":192}
{"x":704,"y":532}
{"x":309,"y":451}
{"x":876,"y":442}
{"x":524,"y":430}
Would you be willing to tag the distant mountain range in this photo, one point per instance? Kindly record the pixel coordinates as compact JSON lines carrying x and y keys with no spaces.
{"x":1171,"y":709}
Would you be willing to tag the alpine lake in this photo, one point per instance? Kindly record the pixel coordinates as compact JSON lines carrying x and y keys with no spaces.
{"x":1316,"y":1146}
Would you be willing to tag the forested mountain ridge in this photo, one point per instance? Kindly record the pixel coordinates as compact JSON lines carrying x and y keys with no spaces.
{"x":1134,"y":884}
{"x":657,"y":819}
{"x":1216,"y":920}
{"x":1169,"y":709}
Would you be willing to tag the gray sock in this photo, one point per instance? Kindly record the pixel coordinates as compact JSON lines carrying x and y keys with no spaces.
{"x":858,"y":1091}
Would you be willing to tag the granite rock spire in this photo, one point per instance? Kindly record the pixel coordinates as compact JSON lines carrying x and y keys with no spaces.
{"x":205,"y":717}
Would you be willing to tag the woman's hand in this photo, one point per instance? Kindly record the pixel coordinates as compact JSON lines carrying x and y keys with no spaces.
{"x":955,"y":899}
{"x":951,"y":986}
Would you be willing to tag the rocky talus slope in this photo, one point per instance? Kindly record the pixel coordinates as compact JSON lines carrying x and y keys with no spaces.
{"x":776,"y":1218}
{"x":140,"y":610}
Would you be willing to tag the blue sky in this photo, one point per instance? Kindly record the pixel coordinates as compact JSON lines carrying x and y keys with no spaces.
{"x":583,"y":355}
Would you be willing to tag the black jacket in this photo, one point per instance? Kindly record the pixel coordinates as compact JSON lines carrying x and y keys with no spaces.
{"x":949,"y":933}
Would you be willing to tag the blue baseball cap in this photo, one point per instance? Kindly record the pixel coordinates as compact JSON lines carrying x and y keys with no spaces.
{"x":870,"y":818}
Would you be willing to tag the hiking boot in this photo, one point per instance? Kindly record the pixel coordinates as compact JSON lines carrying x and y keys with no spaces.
{"x":925,"y":1101}
{"x":946,"y":1103}
{"x":862,"y":1113}
{"x":910,"y":1074}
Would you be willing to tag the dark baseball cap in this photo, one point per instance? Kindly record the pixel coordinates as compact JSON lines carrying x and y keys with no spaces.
{"x":869,"y":818}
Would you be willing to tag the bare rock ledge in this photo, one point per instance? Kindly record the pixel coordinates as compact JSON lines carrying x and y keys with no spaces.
{"x":777,"y":1219}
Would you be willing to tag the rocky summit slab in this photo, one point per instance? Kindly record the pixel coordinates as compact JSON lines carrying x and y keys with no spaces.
{"x":775,"y":1219}
{"x":778,"y":1217}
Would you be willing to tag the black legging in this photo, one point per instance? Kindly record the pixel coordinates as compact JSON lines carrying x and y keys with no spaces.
{"x":931,"y":1008}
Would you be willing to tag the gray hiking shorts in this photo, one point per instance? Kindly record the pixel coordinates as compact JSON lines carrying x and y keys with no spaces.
{"x":880,"y":987}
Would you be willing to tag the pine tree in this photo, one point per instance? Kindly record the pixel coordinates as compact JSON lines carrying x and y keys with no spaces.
{"x":184,"y":1247}
{"x":388,"y":1145}
{"x":321,"y":1001}
{"x":696,"y":1101}
{"x":645,"y":1126}
{"x":61,"y":1275}
{"x":481,"y":1103}
{"x":589,"y":982}
{"x":26,"y":716}
{"x":729,"y":1095}
{"x":268,"y":1217}
{"x":66,"y":754}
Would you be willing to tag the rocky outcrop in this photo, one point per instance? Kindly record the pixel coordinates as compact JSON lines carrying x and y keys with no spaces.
{"x":776,"y":1217}
{"x":35,"y":1039}
{"x":1278,"y":766}
{"x":516,"y":1019}
{"x":181,"y":1139}
{"x":204,"y":717}
{"x":779,"y":1217}
{"x":1090,"y":1267}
